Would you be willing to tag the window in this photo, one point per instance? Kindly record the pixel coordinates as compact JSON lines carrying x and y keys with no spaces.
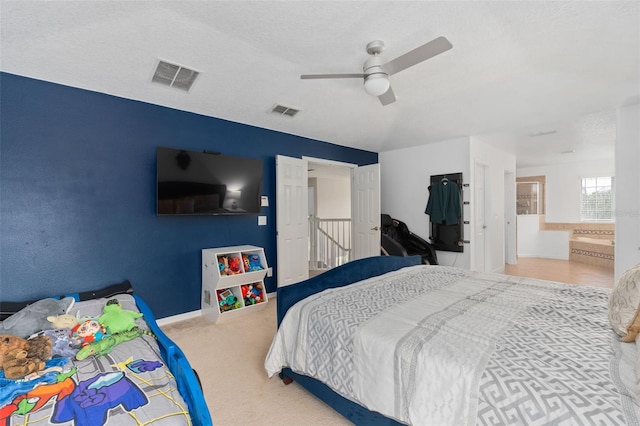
{"x":596,"y":203}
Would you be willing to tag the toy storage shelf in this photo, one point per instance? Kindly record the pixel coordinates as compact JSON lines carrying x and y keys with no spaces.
{"x":224,"y":288}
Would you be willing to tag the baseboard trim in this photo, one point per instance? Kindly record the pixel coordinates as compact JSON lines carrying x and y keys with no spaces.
{"x":194,"y":314}
{"x":540,"y":256}
{"x":180,"y":317}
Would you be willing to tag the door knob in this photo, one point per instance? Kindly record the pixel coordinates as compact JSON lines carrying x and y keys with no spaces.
{"x":377,"y":228}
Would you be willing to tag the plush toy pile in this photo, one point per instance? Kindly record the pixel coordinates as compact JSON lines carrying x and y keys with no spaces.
{"x":229,"y":265}
{"x":44,"y":330}
{"x":252,"y":293}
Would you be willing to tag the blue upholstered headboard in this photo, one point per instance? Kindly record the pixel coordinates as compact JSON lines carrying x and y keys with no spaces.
{"x":346,"y":274}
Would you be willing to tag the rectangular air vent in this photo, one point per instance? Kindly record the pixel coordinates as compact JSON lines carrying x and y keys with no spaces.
{"x":284,"y":110}
{"x":545,"y":133}
{"x":174,"y":76}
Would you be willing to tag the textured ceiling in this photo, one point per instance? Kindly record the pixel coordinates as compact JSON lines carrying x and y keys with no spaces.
{"x":516,"y":68}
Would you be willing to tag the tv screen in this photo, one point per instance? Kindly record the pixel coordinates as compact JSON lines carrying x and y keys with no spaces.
{"x":201,"y":183}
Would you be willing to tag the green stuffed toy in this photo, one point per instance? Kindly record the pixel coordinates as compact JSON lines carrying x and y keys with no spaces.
{"x":106,"y":345}
{"x":117,"y":319}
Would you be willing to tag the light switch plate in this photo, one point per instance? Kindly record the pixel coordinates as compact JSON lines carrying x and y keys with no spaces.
{"x":262,"y":220}
{"x":264,"y":201}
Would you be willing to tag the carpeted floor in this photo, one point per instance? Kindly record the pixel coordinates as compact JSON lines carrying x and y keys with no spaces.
{"x":229,"y":359}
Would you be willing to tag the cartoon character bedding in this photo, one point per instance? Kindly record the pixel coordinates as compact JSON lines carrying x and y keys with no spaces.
{"x":88,"y":363}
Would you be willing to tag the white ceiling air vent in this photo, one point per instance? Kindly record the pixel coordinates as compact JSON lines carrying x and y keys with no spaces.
{"x":285,"y":110}
{"x":545,"y":133}
{"x":175,"y":76}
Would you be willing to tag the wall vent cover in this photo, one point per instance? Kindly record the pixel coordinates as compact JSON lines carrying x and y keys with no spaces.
{"x":285,"y":110}
{"x":173,"y":75}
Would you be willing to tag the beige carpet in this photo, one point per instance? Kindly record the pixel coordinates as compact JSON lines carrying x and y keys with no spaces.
{"x":229,"y":359}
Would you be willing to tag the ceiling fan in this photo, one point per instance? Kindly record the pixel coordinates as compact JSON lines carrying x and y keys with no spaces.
{"x":376,"y":71}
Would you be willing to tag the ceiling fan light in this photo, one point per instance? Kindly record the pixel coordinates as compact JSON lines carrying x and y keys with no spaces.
{"x":376,"y":84}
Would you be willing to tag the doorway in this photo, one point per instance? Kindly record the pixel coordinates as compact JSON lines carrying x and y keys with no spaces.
{"x":293,"y":207}
{"x":329,"y":211}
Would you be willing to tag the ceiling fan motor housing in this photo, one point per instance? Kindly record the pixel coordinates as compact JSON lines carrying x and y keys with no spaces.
{"x":376,"y":80}
{"x":373,"y":65}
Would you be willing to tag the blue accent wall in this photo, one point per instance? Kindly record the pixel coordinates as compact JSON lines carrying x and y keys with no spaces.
{"x":77,"y":193}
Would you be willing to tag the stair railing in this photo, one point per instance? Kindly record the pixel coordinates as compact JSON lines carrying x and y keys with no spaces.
{"x":329,"y":242}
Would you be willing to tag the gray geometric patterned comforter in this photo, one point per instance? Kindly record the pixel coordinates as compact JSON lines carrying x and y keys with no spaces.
{"x":435,"y":345}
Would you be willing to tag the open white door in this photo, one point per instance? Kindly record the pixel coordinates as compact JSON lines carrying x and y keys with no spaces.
{"x":480,"y":220}
{"x":510,"y":218}
{"x":291,"y":220}
{"x":365,"y":211}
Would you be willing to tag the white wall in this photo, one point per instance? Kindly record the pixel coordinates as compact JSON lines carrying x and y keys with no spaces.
{"x":404,"y":190}
{"x":498,"y":162}
{"x":627,"y":189}
{"x":404,"y":182}
{"x":563,"y":186}
{"x":333,"y":198}
{"x":532,"y":242}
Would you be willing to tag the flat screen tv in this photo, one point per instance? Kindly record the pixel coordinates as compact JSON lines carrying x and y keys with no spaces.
{"x":203,"y":183}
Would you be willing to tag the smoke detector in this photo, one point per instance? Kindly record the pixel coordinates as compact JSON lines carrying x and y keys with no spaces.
{"x":173,"y":75}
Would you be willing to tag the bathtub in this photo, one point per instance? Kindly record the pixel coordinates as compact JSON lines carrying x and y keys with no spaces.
{"x":594,"y":251}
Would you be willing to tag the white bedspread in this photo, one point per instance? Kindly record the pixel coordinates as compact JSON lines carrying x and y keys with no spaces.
{"x":433,"y":345}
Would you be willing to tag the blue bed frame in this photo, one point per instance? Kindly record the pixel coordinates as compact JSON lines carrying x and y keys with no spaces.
{"x":186,"y":378}
{"x":340,"y":276}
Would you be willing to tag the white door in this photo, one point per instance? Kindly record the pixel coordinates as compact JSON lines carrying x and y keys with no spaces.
{"x":292,"y":238}
{"x":365,"y":211}
{"x":479,"y":184}
{"x":510,"y":218}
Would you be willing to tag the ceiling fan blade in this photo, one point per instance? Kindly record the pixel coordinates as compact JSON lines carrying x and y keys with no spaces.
{"x":417,"y":55}
{"x":313,"y":76}
{"x":387,"y":97}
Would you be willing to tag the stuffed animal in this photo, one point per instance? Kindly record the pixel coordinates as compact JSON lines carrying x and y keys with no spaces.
{"x":88,"y":331}
{"x":117,"y":319}
{"x":21,"y":357}
{"x":234,"y":266}
{"x":107,"y":344}
{"x":63,"y":345}
{"x":33,"y":318}
{"x":254,"y":263}
{"x":63,"y":321}
{"x":9,"y":342}
{"x":223,"y":265}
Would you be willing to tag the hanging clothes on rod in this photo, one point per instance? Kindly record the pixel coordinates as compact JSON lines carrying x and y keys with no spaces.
{"x":444,"y":205}
{"x":445,"y":210}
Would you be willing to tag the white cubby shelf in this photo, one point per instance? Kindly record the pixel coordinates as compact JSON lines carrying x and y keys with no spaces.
{"x":237,"y":287}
